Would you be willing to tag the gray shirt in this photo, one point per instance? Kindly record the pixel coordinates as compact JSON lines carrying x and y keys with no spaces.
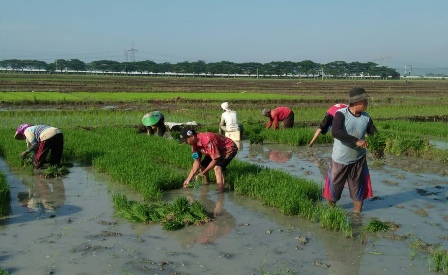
{"x":347,"y":129}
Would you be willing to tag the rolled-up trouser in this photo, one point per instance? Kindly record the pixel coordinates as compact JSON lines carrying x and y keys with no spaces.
{"x":55,"y":144}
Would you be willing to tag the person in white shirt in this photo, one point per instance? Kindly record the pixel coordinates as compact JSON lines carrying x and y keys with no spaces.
{"x":229,"y":120}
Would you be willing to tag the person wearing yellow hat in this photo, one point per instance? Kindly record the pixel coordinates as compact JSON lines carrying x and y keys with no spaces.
{"x":40,"y":140}
{"x":154,"y":122}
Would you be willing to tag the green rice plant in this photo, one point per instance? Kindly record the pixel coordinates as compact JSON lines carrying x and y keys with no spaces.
{"x":5,"y":196}
{"x":52,"y":97}
{"x":255,"y":135}
{"x":199,"y":212}
{"x":180,"y":205}
{"x":402,"y":145}
{"x":335,"y":218}
{"x":54,"y":171}
{"x":3,"y":271}
{"x":172,"y":216}
{"x":438,"y":261}
{"x":375,"y":225}
{"x":377,"y":144}
{"x":172,"y":225}
{"x":140,"y":213}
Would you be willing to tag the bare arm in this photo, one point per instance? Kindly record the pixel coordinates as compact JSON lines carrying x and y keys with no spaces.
{"x":193,"y":170}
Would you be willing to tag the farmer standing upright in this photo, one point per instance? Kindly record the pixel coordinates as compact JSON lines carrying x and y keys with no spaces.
{"x":41,"y":139}
{"x":348,"y":160}
{"x":218,"y":151}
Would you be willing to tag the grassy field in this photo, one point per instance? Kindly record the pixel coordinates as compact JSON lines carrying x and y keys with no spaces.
{"x":409,"y":113}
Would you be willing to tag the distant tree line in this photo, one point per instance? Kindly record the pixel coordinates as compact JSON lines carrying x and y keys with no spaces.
{"x":306,"y":67}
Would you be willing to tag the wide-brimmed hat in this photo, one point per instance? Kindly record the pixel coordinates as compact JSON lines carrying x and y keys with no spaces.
{"x":225,"y":106}
{"x":265,"y":111}
{"x":20,"y":131}
{"x":357,"y":94}
{"x":152,"y":118}
{"x":186,"y":133}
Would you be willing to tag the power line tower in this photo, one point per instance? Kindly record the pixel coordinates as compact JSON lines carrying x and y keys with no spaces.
{"x":132,"y":51}
{"x":126,"y":56}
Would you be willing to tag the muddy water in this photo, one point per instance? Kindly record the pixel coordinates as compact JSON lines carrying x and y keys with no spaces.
{"x":67,"y":226}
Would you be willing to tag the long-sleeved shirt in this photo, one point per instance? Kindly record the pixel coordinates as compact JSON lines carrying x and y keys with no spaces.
{"x":347,"y":129}
{"x":326,"y":123}
{"x":37,"y":133}
{"x":278,"y":114}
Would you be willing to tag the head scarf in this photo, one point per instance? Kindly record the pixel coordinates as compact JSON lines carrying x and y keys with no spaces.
{"x":20,"y":132}
{"x":225,"y":106}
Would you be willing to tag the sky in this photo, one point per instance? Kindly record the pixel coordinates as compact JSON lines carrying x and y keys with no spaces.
{"x":393,"y":33}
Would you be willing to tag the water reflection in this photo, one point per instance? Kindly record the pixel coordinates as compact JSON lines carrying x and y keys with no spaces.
{"x":43,"y":195}
{"x":279,"y":156}
{"x":439,"y":144}
{"x":222,"y":222}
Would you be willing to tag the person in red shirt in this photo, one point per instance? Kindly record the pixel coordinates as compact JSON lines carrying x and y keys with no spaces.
{"x":218,"y":151}
{"x":326,"y":123}
{"x":278,"y":114}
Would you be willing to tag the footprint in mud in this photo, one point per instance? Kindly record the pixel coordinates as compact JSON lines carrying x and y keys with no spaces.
{"x":110,"y":234}
{"x":422,"y":212}
{"x":321,"y":264}
{"x":423,"y":192}
{"x":390,"y":182}
{"x":107,"y":223}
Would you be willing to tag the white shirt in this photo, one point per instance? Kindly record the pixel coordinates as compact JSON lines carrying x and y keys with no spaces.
{"x":230,"y":120}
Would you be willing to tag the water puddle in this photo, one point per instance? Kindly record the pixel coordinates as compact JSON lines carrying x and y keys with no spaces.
{"x":68,"y":226}
{"x":440,"y":144}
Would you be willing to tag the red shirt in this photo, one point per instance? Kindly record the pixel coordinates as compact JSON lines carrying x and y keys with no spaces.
{"x":214,"y":145}
{"x":278,"y":114}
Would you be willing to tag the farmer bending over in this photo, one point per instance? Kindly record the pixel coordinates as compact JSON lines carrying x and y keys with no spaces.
{"x":218,"y":151}
{"x":279,"y":114}
{"x":326,"y":123}
{"x":154,"y":121}
{"x":41,"y":139}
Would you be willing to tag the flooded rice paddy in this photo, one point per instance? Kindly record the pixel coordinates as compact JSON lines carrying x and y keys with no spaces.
{"x":67,"y":225}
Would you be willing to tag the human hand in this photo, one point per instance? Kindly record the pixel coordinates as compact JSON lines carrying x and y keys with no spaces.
{"x":362,"y":143}
{"x":186,"y":183}
{"x":200,"y":174}
{"x":23,"y":155}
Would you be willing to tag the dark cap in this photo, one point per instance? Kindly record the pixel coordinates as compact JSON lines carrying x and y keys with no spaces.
{"x":357,"y":94}
{"x":186,"y":133}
